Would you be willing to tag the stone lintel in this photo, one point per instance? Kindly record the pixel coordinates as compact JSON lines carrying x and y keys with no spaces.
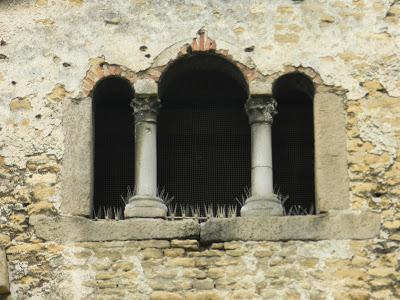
{"x":4,"y":281}
{"x":330,"y":226}
{"x":79,"y":229}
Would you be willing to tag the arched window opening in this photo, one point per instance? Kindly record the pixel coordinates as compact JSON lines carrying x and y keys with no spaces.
{"x":293,"y":143}
{"x":203,"y":142}
{"x":113,"y":134}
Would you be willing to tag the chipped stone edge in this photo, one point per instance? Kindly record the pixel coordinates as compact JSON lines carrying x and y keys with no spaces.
{"x":79,"y":229}
{"x":4,"y":280}
{"x":340,"y":225}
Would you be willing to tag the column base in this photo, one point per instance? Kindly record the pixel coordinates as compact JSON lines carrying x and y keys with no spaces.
{"x":145,"y":207}
{"x":262,"y":206}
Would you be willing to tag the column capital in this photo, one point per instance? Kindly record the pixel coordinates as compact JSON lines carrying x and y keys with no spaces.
{"x":261,"y":109}
{"x":145,"y":107}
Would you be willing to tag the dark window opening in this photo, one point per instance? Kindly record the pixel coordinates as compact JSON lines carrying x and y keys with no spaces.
{"x":293,"y":143}
{"x":113,"y":126}
{"x":203,"y":135}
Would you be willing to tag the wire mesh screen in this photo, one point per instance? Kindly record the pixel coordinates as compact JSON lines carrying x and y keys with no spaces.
{"x":293,"y":153}
{"x":203,"y":154}
{"x":203,"y":133}
{"x":113,"y":147}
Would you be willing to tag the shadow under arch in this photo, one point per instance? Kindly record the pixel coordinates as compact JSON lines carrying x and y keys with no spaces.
{"x":293,"y":142}
{"x":203,"y":136}
{"x":113,"y":134}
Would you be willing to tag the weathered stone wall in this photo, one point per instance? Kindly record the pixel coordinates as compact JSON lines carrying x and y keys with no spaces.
{"x":180,"y":269}
{"x":46,"y":50}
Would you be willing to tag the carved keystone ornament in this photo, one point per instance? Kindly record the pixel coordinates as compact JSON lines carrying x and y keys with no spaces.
{"x":202,"y":42}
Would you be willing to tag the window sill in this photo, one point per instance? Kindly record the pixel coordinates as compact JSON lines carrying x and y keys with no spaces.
{"x":340,"y":225}
{"x":331,"y":226}
{"x":80,"y":229}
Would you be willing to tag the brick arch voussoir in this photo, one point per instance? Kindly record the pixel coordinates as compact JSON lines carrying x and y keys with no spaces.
{"x":102,"y":70}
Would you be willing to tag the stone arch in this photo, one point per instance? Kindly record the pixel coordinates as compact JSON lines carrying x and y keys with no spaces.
{"x":113,"y":145}
{"x":203,"y":132}
{"x":202,"y":43}
{"x":199,"y":61}
{"x":99,"y":69}
{"x":293,"y":141}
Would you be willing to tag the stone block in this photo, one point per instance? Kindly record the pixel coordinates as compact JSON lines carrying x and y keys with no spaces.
{"x":185,"y":244}
{"x":258,"y":87}
{"x":152,"y":253}
{"x":331,"y":177}
{"x":78,"y":156}
{"x":159,"y":295}
{"x":181,"y":262}
{"x":203,"y":295}
{"x":174,"y":252}
{"x":4,"y":282}
{"x":146,"y":86}
{"x":79,"y":229}
{"x":215,"y":273}
{"x":203,"y":284}
{"x":332,"y":226}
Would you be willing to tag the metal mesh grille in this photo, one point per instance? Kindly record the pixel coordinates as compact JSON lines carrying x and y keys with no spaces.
{"x":204,"y":154}
{"x":113,"y":145}
{"x":293,"y":151}
{"x":203,"y":132}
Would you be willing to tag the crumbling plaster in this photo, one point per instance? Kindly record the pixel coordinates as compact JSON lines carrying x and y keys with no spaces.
{"x":39,"y":40}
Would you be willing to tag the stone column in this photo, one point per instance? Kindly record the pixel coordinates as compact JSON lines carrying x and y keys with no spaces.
{"x":262,"y":202}
{"x":145,"y":203}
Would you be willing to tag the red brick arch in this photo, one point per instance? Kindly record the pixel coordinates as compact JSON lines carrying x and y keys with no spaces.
{"x":100,"y":70}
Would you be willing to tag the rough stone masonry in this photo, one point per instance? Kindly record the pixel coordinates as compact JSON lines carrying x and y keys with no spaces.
{"x":50,"y":50}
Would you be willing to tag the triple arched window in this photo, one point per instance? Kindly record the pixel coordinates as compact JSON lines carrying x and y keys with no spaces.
{"x":203,"y":140}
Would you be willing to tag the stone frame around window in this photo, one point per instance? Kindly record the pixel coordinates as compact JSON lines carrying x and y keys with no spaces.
{"x":334,"y":218}
{"x":4,"y":278}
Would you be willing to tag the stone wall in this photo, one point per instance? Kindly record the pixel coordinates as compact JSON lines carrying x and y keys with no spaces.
{"x":183,"y":269}
{"x":46,"y":50}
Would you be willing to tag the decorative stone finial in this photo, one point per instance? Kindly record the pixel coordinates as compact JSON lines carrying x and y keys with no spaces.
{"x":146,"y":107}
{"x":202,"y":42}
{"x":261,"y":109}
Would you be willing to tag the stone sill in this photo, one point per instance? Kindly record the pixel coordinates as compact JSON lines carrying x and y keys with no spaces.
{"x":340,"y":225}
{"x":79,"y":229}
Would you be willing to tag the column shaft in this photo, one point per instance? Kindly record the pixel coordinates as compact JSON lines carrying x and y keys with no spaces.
{"x":145,"y":158}
{"x":261,"y":160}
{"x":145,"y":203}
{"x":263,"y":201}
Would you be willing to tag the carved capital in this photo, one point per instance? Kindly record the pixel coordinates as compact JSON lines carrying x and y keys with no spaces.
{"x":146,"y":108}
{"x":261,"y":109}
